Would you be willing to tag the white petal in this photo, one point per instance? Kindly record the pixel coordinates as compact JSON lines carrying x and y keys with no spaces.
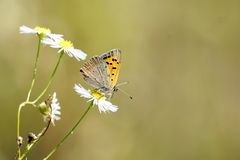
{"x":68,"y":51}
{"x":105,"y":106}
{"x":78,"y":54}
{"x":57,"y":118}
{"x":54,"y":96}
{"x":50,"y":42}
{"x":56,"y":37}
{"x":55,"y":108}
{"x":57,"y":112}
{"x":25,"y":29}
{"x":82,"y":91}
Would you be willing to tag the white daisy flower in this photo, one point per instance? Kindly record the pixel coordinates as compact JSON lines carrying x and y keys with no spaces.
{"x":65,"y":46}
{"x":41,"y":31}
{"x":55,"y":109}
{"x":98,"y":99}
{"x":50,"y":109}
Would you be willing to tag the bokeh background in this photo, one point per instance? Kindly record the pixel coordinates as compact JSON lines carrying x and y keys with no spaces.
{"x":182,"y":62}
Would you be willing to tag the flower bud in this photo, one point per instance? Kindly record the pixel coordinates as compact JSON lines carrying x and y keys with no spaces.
{"x":44,"y":108}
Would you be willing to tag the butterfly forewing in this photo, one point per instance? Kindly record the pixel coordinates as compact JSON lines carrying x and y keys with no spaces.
{"x":113,"y":60}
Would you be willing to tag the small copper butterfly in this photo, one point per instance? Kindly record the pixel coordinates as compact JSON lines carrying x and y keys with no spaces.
{"x":102,"y":71}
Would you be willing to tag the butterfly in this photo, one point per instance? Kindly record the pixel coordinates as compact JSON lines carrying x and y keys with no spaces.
{"x":102,"y":71}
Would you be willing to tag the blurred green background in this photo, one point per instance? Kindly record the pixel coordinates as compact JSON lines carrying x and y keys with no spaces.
{"x":182,"y":61}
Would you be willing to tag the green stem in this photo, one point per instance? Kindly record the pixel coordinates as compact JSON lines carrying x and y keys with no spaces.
{"x":51,"y":78}
{"x":35,"y":142}
{"x":70,"y":132}
{"x":18,"y":124}
{"x":35,"y":69}
{"x":18,"y":129}
{"x":28,"y":95}
{"x":18,"y":118}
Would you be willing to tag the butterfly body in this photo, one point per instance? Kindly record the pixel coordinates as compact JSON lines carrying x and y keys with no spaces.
{"x":102,"y":71}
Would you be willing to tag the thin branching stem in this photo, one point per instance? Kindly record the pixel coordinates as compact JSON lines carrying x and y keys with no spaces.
{"x":35,"y":69}
{"x":18,"y":125}
{"x":70,"y":132}
{"x":28,"y":95}
{"x":51,"y":78}
{"x":41,"y":134}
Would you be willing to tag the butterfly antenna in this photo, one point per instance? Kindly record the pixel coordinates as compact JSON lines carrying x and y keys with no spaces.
{"x":124,"y":92}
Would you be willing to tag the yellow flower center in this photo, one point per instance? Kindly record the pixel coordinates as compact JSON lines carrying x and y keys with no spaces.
{"x":98,"y":95}
{"x":42,"y":30}
{"x":66,"y":44}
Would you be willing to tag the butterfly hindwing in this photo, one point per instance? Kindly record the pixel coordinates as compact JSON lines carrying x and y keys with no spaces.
{"x":95,"y":72}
